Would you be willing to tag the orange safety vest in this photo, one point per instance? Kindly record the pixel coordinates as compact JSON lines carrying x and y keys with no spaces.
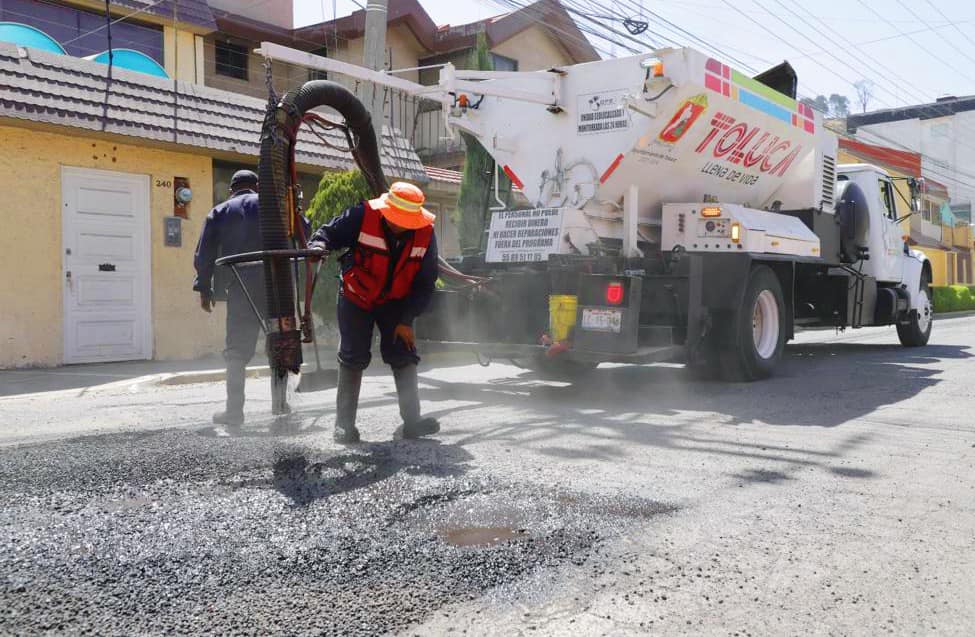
{"x":364,"y":283}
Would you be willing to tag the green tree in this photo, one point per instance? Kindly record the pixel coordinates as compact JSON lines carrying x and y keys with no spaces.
{"x":336,"y":192}
{"x":839,"y":105}
{"x":478,"y":181}
{"x":820,"y":103}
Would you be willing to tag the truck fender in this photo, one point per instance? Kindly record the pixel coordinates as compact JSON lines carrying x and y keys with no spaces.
{"x":914,"y":264}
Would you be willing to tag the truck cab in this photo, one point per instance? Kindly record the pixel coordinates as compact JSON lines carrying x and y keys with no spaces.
{"x":885,"y":236}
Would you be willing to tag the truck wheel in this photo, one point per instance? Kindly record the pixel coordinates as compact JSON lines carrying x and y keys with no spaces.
{"x":757,"y":334}
{"x":917,"y":330}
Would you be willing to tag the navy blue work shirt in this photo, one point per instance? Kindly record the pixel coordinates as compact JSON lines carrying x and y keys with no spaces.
{"x":343,"y":232}
{"x":232,"y":227}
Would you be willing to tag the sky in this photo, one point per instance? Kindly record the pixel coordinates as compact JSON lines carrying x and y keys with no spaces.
{"x":912,"y":51}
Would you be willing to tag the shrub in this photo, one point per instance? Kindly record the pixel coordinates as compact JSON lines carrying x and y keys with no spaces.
{"x":953,"y":298}
{"x":336,"y":192}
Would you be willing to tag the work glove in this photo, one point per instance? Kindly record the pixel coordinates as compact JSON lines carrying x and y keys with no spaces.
{"x":206,"y":301}
{"x":320,"y":246}
{"x":405,"y":333}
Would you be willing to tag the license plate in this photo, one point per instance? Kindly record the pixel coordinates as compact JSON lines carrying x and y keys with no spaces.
{"x":600,"y":320}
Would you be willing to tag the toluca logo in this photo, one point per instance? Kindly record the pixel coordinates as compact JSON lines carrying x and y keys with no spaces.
{"x":596,"y":102}
{"x":749,"y":146}
{"x":683,"y":119}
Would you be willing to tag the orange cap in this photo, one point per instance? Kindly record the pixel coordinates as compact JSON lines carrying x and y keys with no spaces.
{"x":403,"y":206}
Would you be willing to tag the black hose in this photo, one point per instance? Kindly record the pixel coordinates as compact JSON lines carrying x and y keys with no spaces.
{"x":280,"y":129}
{"x":278,"y":135}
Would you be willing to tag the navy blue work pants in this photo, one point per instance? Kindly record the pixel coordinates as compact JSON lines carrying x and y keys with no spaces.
{"x":356,"y":331}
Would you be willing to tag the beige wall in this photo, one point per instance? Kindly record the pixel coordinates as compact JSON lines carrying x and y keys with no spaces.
{"x":286,"y":76}
{"x":534,"y":50}
{"x":277,"y":12}
{"x":32,"y":285}
{"x":183,"y":55}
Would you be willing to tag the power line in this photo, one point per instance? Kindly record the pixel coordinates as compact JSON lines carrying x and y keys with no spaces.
{"x":116,"y":21}
{"x":951,"y":22}
{"x":916,"y":43}
{"x":922,"y":21}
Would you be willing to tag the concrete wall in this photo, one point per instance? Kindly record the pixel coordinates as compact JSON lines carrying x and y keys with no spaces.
{"x":183,"y":52}
{"x":280,"y":13}
{"x":946,"y":144}
{"x":939,"y":264}
{"x":286,"y":76}
{"x":534,"y":50}
{"x":32,"y":285}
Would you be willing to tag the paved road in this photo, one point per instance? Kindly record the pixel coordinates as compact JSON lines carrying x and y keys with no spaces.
{"x":837,"y":498}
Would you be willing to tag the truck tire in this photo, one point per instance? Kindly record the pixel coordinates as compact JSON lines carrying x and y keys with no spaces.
{"x":917,"y":330}
{"x":756,"y":339}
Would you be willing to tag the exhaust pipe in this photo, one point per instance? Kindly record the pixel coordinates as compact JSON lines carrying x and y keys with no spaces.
{"x":278,"y":135}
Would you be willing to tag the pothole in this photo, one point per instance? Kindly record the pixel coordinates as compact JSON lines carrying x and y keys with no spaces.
{"x":483,"y":536}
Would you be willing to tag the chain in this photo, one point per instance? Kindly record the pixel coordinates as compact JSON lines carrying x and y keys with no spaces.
{"x":272,"y":97}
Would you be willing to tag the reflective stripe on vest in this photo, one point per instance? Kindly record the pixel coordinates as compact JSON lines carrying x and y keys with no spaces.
{"x":364,"y":283}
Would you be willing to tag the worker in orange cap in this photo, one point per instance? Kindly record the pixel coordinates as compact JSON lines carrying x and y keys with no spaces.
{"x":389,"y":273}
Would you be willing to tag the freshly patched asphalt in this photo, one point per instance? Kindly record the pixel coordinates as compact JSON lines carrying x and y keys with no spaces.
{"x":836,"y":498}
{"x":174,"y":531}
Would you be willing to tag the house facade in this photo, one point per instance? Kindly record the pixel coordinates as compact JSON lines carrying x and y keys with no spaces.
{"x":98,"y":250}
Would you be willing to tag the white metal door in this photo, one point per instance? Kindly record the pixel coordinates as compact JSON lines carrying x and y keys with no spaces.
{"x":106,"y":252}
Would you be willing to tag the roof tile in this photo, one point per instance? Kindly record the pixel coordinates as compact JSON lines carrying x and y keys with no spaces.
{"x":58,"y":89}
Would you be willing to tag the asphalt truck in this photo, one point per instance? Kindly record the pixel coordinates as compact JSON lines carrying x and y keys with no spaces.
{"x":680,"y":210}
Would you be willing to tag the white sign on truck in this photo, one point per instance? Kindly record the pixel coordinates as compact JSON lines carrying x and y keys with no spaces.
{"x":601,"y":112}
{"x":524,"y":235}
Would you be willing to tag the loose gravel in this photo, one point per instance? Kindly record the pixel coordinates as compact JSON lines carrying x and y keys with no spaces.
{"x":177,"y":532}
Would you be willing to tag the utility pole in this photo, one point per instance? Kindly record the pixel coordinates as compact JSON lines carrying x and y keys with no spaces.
{"x":374,"y":57}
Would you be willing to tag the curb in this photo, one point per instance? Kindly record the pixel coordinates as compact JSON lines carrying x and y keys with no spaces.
{"x":958,"y":314}
{"x":208,"y":376}
{"x":432,"y":359}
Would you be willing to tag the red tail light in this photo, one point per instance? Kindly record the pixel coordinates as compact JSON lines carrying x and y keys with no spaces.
{"x":614,"y":293}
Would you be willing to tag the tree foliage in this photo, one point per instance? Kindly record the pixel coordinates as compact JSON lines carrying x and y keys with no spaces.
{"x":839,"y":105}
{"x":835,"y":105}
{"x":336,"y":192}
{"x":478,"y":181}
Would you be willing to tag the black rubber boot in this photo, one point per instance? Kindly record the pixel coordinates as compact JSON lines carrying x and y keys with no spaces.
{"x":233,"y":419}
{"x":234,"y":413}
{"x":408,"y":393}
{"x":347,"y":403}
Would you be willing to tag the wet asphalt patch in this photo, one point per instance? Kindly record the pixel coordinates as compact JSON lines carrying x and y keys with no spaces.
{"x":174,"y":532}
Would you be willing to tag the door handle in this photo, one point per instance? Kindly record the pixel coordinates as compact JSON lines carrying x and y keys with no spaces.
{"x":67,"y":276}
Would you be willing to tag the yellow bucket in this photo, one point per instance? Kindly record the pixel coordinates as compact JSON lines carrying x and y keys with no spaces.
{"x":561,"y":315}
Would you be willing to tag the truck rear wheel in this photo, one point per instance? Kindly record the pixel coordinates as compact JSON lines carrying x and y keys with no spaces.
{"x":757,"y":334}
{"x":917,"y":330}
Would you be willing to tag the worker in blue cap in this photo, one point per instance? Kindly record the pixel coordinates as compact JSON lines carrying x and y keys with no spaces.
{"x":233,"y":227}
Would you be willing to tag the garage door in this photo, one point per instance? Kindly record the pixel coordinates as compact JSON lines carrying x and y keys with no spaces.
{"x":106,"y":253}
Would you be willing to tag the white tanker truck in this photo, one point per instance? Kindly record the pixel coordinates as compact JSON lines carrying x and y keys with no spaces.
{"x":680,"y":211}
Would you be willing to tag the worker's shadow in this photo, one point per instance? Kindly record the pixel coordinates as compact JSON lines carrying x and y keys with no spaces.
{"x":304,"y":476}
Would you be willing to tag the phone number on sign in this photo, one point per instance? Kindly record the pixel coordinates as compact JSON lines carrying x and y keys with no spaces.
{"x":513,"y":257}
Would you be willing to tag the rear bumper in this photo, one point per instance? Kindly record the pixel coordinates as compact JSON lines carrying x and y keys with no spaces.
{"x":507,"y":351}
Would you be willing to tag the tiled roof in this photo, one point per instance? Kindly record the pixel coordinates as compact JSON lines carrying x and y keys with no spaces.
{"x":187,"y":11}
{"x":444,"y":175}
{"x":66,"y":91}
